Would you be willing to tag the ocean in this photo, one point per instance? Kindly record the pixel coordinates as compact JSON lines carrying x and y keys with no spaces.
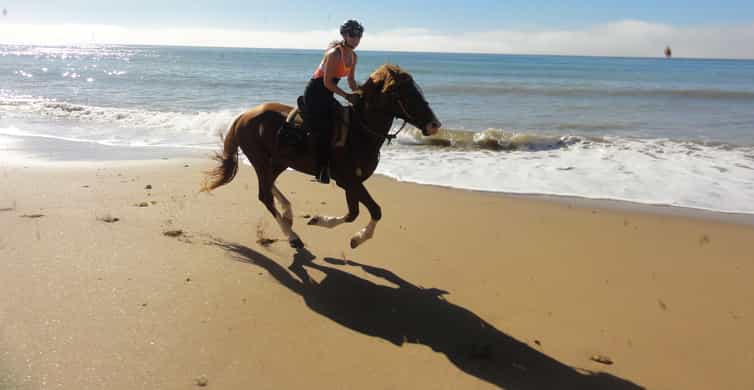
{"x":676,"y":132}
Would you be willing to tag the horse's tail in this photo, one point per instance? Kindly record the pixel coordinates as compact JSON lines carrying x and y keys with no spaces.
{"x":228,"y":160}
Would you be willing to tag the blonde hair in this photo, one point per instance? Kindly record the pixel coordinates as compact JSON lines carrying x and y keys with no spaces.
{"x":335,"y":43}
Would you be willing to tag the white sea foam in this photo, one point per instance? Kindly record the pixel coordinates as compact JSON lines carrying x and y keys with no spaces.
{"x":116,"y":126}
{"x":645,"y":171}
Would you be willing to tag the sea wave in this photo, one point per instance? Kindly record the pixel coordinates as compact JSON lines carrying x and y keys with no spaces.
{"x":72,"y":52}
{"x":491,"y":139}
{"x":150,"y":127}
{"x":506,"y":141}
{"x":103,"y":122}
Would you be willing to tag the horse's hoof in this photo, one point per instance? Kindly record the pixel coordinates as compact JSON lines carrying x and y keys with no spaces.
{"x":313,"y":221}
{"x":296,"y":244}
{"x":354,"y":243}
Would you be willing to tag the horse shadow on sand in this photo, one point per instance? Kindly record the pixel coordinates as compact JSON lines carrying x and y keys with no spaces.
{"x":411,"y":314}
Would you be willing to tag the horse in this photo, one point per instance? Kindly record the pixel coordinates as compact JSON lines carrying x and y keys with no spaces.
{"x":388,"y":93}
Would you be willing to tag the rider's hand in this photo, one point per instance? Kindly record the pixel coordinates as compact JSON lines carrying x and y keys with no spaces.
{"x":353,"y":98}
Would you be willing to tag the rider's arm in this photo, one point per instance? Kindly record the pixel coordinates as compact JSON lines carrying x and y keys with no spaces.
{"x":331,"y":66}
{"x":351,"y":76}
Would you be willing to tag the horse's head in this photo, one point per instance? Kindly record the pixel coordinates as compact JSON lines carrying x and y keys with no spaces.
{"x":404,"y":98}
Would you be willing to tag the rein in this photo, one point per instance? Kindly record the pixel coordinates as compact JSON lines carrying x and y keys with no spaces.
{"x":389,"y":137}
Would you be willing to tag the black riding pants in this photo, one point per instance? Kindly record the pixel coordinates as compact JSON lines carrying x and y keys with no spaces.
{"x":320,"y":114}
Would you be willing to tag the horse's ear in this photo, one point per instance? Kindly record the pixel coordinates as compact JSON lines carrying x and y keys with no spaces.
{"x":391,"y":80}
{"x":386,"y":78}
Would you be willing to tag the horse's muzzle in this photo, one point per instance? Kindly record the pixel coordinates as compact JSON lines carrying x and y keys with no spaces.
{"x":432,"y":127}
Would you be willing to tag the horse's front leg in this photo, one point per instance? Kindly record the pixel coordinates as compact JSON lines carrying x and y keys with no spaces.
{"x":375,"y":212}
{"x":331,"y":222}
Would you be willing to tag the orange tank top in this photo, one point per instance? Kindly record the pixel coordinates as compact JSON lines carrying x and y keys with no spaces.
{"x":341,"y":71}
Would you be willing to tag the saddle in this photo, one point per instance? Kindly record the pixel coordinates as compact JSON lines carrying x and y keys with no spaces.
{"x":294,"y":131}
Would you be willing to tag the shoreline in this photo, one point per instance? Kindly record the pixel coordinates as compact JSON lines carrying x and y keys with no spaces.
{"x":632,"y":207}
{"x":47,"y":152}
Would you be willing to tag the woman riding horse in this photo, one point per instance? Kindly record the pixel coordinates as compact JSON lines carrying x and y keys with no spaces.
{"x":339,"y":61}
{"x":389,"y":92}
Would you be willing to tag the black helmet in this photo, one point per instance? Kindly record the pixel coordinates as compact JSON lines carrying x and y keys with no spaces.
{"x":352,"y":27}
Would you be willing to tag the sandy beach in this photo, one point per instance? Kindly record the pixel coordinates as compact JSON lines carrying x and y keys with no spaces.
{"x":121,"y":275}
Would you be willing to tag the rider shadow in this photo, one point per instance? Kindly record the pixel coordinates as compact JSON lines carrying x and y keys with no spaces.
{"x":411,"y":314}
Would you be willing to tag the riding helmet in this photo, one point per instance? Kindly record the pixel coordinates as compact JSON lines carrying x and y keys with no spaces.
{"x":352,"y":27}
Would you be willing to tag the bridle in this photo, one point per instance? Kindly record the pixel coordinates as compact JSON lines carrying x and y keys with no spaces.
{"x":389,"y":137}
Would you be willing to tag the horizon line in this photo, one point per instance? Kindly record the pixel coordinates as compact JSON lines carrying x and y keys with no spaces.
{"x":174,"y":45}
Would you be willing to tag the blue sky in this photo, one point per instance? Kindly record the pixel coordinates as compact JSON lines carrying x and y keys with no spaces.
{"x":444,"y":15}
{"x":537,"y":26}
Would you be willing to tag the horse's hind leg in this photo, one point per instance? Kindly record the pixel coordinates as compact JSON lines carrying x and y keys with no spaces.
{"x":285,"y":203}
{"x":285,"y":221}
{"x":252,"y":144}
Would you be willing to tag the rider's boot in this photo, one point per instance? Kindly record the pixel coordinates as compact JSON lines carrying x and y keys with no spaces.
{"x":324,"y":174}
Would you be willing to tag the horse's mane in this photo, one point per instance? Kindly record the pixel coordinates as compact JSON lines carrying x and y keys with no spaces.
{"x":386,"y":76}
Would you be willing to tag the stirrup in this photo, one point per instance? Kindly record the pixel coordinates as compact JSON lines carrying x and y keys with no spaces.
{"x":324,"y":175}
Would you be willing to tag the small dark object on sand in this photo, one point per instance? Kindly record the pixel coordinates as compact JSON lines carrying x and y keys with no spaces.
{"x":173,"y":233}
{"x":202,"y":381}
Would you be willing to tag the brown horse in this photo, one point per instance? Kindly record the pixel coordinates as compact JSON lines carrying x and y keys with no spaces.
{"x":388,"y":93}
